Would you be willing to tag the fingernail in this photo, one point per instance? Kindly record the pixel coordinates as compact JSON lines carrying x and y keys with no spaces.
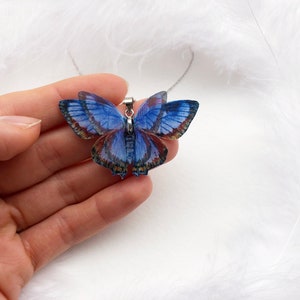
{"x":20,"y":121}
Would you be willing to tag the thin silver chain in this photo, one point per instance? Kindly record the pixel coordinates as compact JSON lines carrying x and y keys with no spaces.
{"x":184,"y":72}
{"x":181,"y":77}
{"x":74,"y":63}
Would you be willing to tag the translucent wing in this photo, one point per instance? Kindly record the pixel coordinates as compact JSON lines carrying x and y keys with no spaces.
{"x":150,"y":111}
{"x":150,"y":152}
{"x":176,"y":118}
{"x":90,"y":115}
{"x":109,"y":151}
{"x":168,"y":120}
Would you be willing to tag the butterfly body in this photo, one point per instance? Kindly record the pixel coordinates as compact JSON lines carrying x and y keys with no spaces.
{"x":128,"y":140}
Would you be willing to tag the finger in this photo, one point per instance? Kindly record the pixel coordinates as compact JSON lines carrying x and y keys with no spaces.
{"x":42,"y":103}
{"x":54,"y":151}
{"x":17,"y":133}
{"x":70,"y":186}
{"x":76,"y":223}
{"x":67,"y":187}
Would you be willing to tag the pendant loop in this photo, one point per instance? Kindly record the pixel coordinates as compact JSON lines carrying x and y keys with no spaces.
{"x":129,"y":112}
{"x":128,"y":101}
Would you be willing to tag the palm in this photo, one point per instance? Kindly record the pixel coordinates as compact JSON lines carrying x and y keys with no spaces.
{"x":52,"y":196}
{"x":14,"y":259}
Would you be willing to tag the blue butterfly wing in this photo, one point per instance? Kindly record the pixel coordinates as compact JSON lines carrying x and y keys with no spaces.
{"x":176,"y":118}
{"x":156,"y":118}
{"x":150,"y":111}
{"x":172,"y":120}
{"x":90,"y":115}
{"x":109,"y":151}
{"x":150,"y":152}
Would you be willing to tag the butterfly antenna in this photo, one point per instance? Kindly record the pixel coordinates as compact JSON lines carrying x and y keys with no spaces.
{"x":74,"y":63}
{"x":184,"y":72}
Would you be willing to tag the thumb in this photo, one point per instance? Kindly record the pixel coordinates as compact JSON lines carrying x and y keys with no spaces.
{"x":17,"y":133}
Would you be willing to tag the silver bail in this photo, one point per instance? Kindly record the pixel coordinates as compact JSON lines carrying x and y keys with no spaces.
{"x":128,"y":101}
{"x":129,"y":112}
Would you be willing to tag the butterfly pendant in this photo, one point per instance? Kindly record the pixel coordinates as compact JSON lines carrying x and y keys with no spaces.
{"x":128,"y":140}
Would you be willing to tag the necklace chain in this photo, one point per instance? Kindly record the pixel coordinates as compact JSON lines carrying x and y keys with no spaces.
{"x":181,"y":77}
{"x":184,"y":72}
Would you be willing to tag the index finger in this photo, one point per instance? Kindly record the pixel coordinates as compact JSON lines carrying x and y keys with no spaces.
{"x":41,"y":103}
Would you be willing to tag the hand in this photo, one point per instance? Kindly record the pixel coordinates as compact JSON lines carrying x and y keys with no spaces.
{"x":52,"y":195}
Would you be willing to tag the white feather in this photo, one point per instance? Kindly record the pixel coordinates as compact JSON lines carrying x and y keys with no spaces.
{"x":230,"y":229}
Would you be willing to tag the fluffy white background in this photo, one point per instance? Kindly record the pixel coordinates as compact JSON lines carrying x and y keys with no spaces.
{"x":223,"y":220}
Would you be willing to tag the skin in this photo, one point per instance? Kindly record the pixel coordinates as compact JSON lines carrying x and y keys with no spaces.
{"x":52,"y":196}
